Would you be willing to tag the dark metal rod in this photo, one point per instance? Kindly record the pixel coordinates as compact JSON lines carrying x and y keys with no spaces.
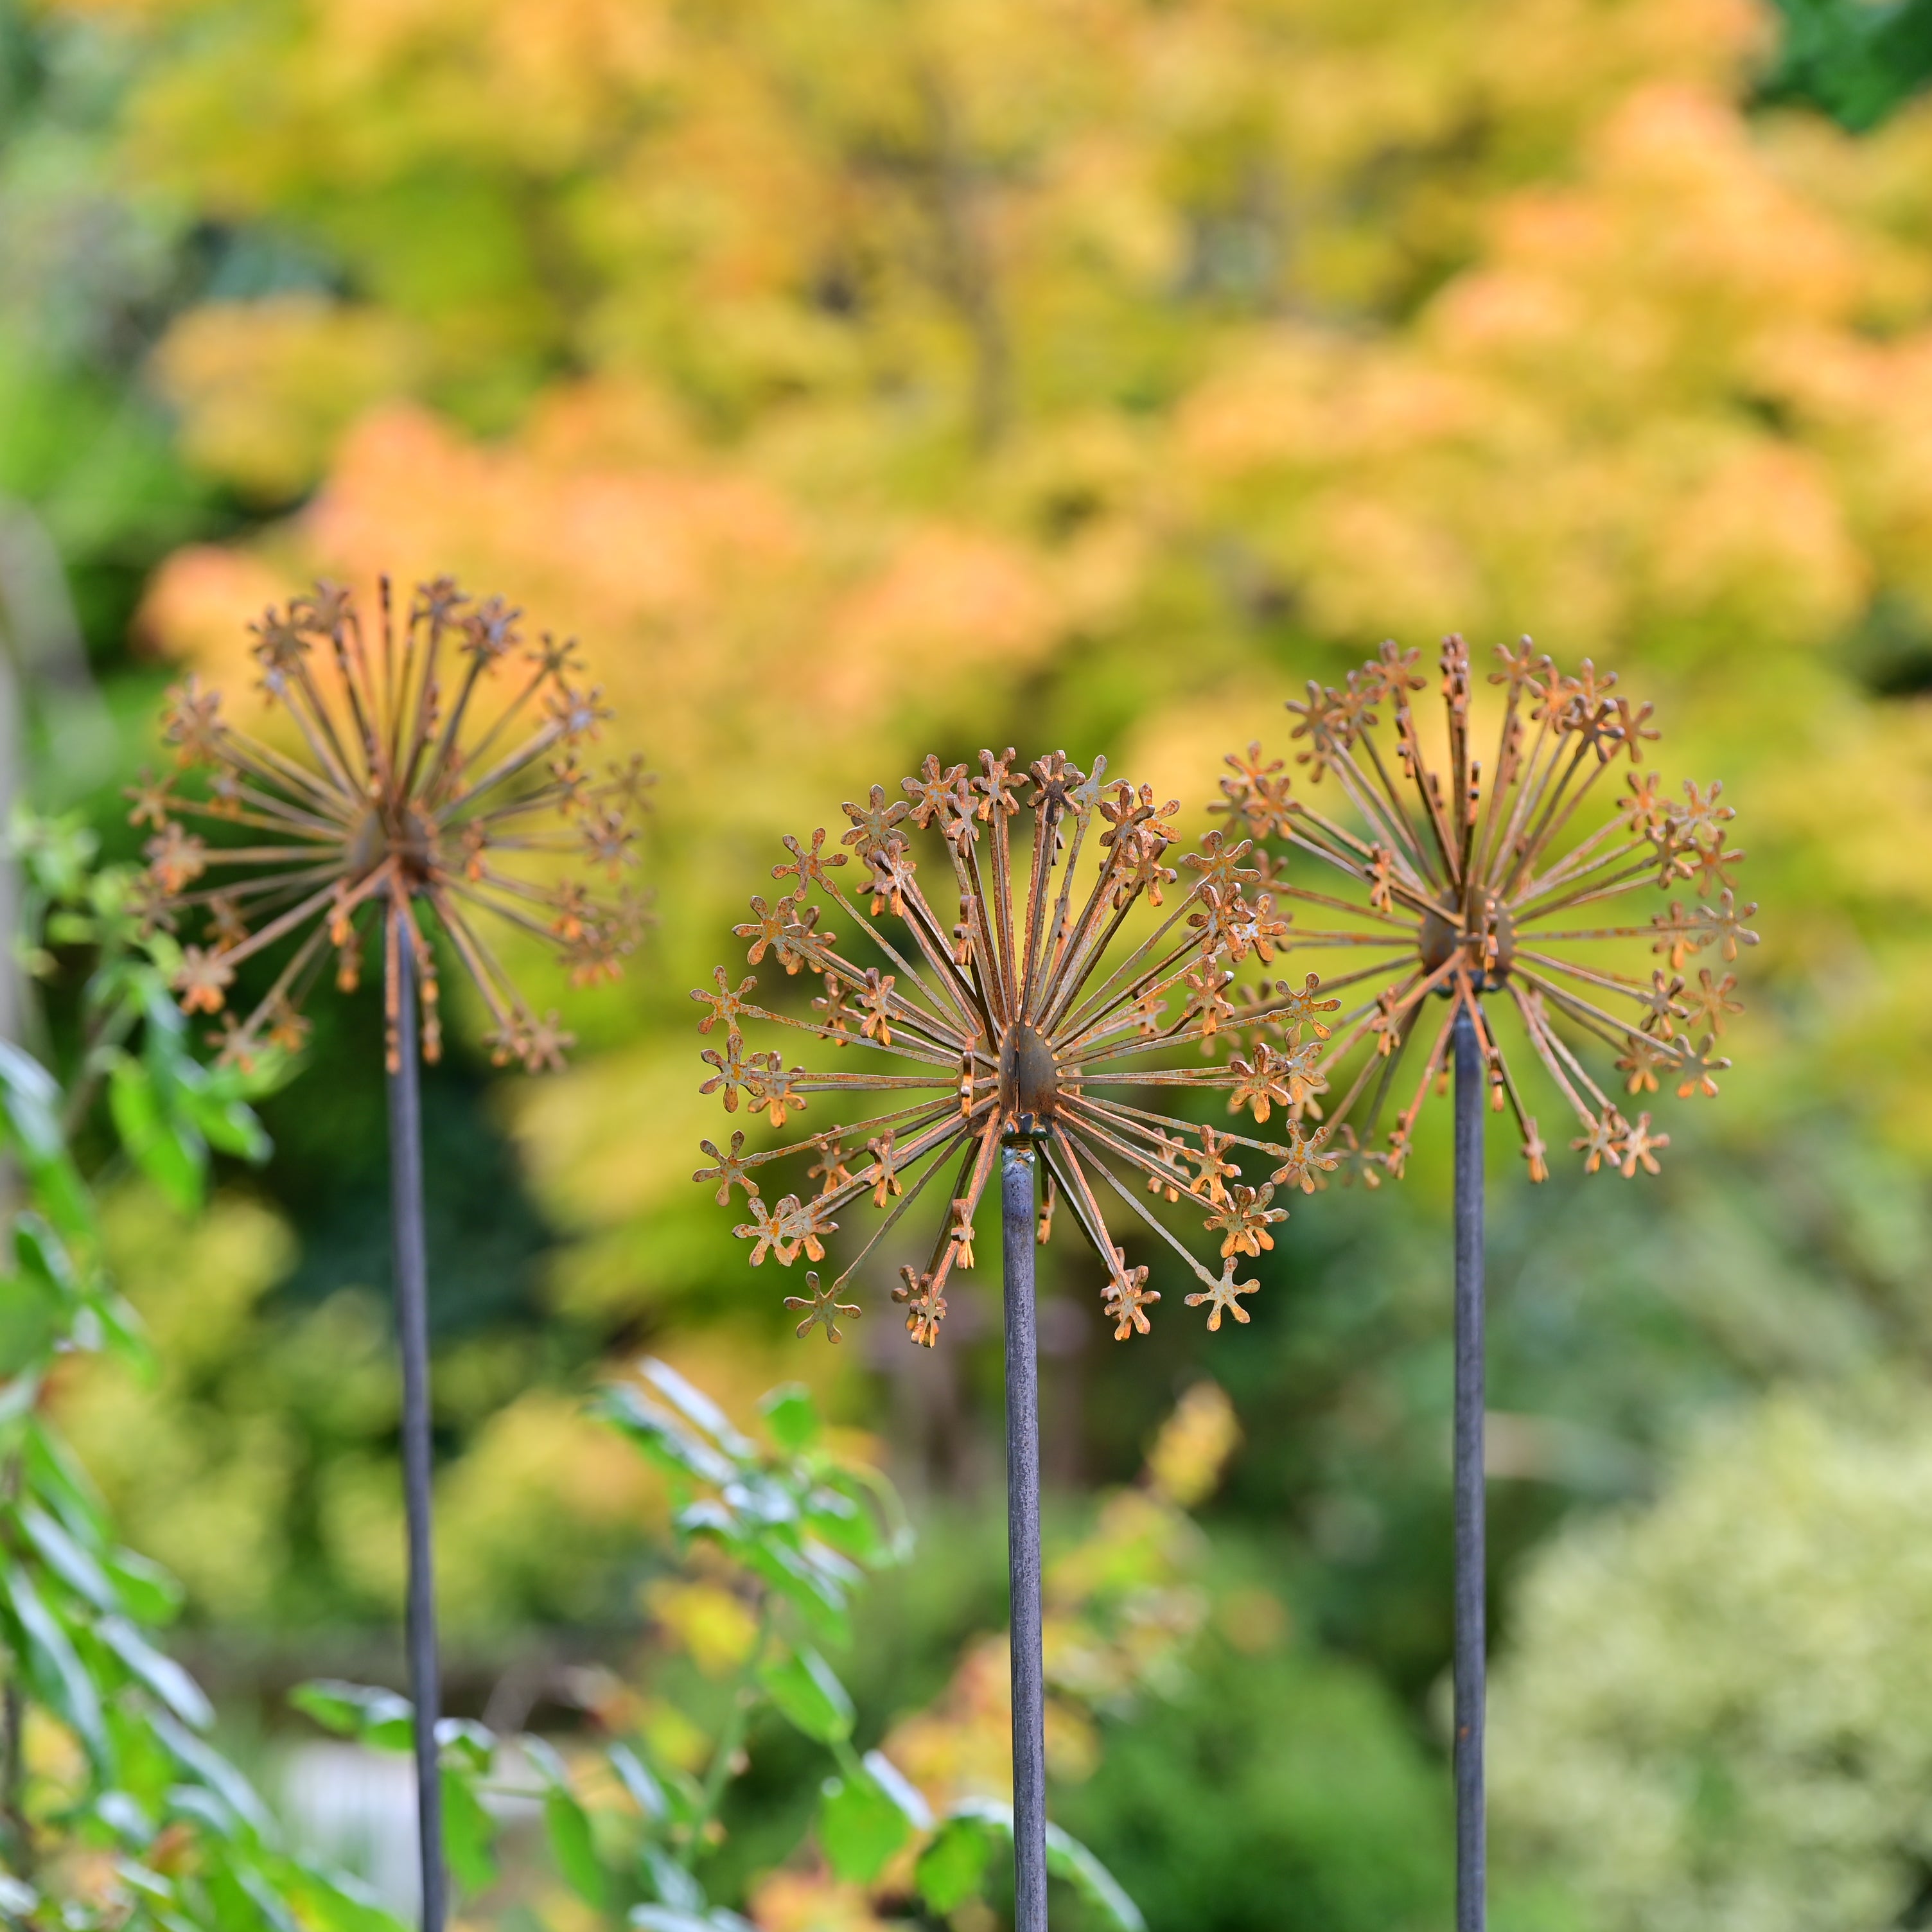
{"x":406,"y":1211}
{"x":1017,"y":1179}
{"x":1471,"y":1908}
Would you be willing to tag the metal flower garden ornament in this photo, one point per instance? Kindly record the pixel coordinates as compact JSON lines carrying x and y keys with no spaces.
{"x":1014,"y":1029}
{"x":1458,"y":900}
{"x":431,"y":781}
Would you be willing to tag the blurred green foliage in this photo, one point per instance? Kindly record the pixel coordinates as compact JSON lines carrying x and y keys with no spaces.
{"x":1714,"y":1715}
{"x":1859,"y":62}
{"x":860,"y":378}
{"x":92,"y":278}
{"x":116,"y":1810}
{"x":1273,"y":1793}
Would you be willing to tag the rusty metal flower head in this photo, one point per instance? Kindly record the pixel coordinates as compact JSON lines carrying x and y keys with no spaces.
{"x":1048,"y":1009}
{"x":434,"y":773}
{"x":1509,"y":888}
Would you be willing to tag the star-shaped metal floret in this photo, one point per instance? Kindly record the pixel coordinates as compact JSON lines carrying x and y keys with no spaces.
{"x":1221,"y":1297}
{"x":822,"y":1309}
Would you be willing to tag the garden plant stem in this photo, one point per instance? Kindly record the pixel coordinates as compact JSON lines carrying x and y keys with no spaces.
{"x":13,"y":1804}
{"x":1017,"y":1171}
{"x":1470,"y":1906}
{"x":405,"y":1209}
{"x":730,"y":1741}
{"x":20,"y":1832}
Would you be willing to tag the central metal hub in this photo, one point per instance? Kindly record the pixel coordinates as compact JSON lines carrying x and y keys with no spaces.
{"x":368,"y":845}
{"x":1029,"y":1078}
{"x":414,"y":845}
{"x":380,"y":836}
{"x":1488,"y":953}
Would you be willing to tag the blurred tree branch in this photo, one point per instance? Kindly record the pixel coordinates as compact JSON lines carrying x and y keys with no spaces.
{"x":964,"y":271}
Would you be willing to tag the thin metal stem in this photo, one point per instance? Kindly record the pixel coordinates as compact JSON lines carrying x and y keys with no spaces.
{"x":1018,"y":1167}
{"x":1471,"y":1910}
{"x":405,"y":1209}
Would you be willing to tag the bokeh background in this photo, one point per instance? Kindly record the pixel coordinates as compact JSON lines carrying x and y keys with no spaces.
{"x":862,"y":377}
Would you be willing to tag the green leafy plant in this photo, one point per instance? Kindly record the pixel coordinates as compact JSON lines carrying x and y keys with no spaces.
{"x":1711,"y":1711}
{"x":777,"y":1541}
{"x":116,"y":1809}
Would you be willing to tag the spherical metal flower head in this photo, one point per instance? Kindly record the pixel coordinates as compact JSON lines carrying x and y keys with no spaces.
{"x":431,"y":770}
{"x":1034,"y":1016}
{"x":1445,"y":884}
